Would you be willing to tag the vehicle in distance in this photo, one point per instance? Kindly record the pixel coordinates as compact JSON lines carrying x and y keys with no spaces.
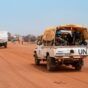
{"x":3,"y":38}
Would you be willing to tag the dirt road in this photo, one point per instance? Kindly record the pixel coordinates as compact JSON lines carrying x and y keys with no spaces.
{"x":17,"y":70}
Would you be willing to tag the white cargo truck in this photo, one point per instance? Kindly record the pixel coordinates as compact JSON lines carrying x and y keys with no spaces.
{"x":3,"y":38}
{"x":57,"y":48}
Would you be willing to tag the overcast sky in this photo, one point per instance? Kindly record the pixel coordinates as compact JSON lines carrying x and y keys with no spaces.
{"x":33,"y":16}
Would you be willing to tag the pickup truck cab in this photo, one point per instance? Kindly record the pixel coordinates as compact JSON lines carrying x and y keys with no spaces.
{"x":57,"y":49}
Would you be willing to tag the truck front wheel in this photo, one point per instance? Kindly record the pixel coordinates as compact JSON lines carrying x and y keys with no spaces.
{"x":37,"y":61}
{"x":51,"y":64}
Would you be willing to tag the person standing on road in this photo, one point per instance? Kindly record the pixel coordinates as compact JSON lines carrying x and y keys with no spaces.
{"x":21,"y":40}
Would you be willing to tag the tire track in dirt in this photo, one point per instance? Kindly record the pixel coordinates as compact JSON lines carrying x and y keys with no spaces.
{"x":33,"y":83}
{"x":17,"y":73}
{"x":65,"y":75}
{"x":74,"y":78}
{"x":53,"y":79}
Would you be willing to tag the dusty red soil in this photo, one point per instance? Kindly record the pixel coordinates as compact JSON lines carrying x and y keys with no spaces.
{"x":17,"y":70}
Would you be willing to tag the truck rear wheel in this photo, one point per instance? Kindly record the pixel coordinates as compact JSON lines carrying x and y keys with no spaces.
{"x":5,"y":45}
{"x":37,"y":61}
{"x":78,"y":65}
{"x":51,"y":64}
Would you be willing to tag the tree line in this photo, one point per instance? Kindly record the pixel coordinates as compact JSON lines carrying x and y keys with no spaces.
{"x":26,"y":38}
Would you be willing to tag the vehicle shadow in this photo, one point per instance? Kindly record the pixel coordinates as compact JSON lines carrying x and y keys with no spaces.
{"x":60,"y":69}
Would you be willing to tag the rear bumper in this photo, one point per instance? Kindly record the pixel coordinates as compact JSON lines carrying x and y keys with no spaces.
{"x":70,"y":58}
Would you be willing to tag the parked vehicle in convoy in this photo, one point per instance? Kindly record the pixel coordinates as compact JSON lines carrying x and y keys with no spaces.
{"x":3,"y":38}
{"x":63,"y":45}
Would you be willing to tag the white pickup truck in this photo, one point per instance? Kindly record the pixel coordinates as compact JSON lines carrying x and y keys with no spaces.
{"x":3,"y":38}
{"x":57,"y":55}
{"x":67,"y":55}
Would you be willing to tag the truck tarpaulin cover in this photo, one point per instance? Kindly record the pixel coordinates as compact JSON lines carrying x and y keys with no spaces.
{"x":81,"y":28}
{"x":49,"y":34}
